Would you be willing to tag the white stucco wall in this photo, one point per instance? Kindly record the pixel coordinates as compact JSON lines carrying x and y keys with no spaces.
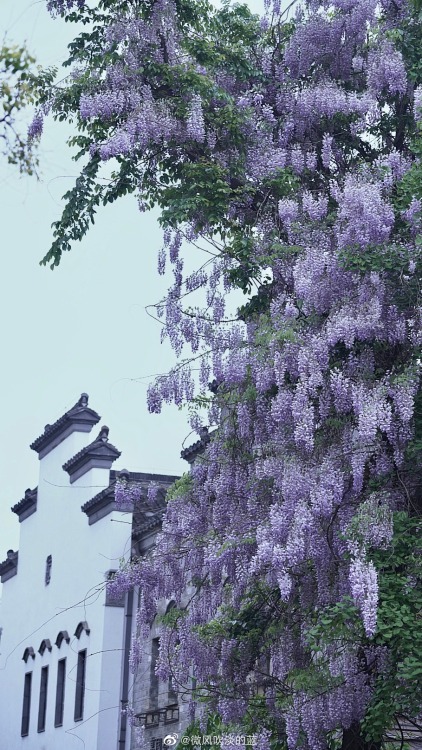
{"x":32,"y":611}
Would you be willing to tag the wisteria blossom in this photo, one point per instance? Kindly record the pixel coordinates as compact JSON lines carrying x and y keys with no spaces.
{"x":364,"y":585}
{"x":284,"y":155}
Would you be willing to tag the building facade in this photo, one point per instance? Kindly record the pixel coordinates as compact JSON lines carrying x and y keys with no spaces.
{"x":157,"y":705}
{"x":64,"y":649}
{"x":65,"y":678}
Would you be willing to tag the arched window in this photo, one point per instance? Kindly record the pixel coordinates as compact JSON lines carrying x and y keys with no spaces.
{"x":62,"y":635}
{"x":29,"y":652}
{"x":82,"y":626}
{"x":45,"y":644}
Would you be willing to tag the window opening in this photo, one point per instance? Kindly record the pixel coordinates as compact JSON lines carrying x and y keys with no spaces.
{"x":153,"y":684}
{"x":80,"y":686}
{"x":26,"y":708}
{"x":48,"y":564}
{"x":42,"y":707}
{"x":60,"y":687}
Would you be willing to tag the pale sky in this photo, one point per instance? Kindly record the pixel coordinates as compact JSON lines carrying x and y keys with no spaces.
{"x":83,"y":326}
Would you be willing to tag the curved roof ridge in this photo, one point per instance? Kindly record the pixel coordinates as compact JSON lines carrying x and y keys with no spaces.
{"x":99,"y":454}
{"x":79,"y":418}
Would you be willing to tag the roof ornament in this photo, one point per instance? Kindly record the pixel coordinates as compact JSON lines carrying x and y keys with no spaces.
{"x":80,"y":418}
{"x":83,"y":401}
{"x":103,"y":434}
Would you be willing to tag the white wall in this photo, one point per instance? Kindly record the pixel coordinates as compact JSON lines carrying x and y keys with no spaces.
{"x":32,"y":611}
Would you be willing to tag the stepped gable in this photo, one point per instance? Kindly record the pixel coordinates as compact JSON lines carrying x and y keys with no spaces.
{"x":9,"y":566}
{"x":192,"y":451}
{"x":97,"y":455}
{"x":147,"y":517}
{"x":27,"y":506}
{"x":80,"y":418}
{"x":142,"y":524}
{"x":103,"y":503}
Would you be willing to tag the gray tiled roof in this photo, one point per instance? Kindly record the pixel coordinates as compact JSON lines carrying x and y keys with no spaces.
{"x":27,"y":505}
{"x":144,"y":517}
{"x":144,"y":477}
{"x":140,"y":525}
{"x":192,"y":451}
{"x":100,"y":454}
{"x":80,"y":417}
{"x":99,"y":499}
{"x":9,"y":566}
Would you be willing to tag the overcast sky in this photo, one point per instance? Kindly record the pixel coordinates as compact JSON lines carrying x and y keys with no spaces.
{"x":83,"y":326}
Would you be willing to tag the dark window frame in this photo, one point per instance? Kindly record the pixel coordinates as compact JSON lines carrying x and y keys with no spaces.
{"x":152,"y":719}
{"x":80,"y":686}
{"x":42,"y":706}
{"x":153,"y":677}
{"x":60,"y":693}
{"x":171,"y":690}
{"x":26,"y":706}
{"x":48,"y":566}
{"x":171,"y":714}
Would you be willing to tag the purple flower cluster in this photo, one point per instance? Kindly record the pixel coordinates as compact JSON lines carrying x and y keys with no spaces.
{"x":60,"y":7}
{"x":314,"y":386}
{"x":417,"y":103}
{"x":36,"y":127}
{"x":364,"y":217}
{"x":288,"y":210}
{"x":364,"y":586}
{"x":195,"y":125}
{"x":315,"y":208}
{"x":386,"y":70}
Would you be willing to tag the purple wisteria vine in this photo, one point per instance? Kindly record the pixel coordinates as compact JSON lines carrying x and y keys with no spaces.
{"x":287,"y":149}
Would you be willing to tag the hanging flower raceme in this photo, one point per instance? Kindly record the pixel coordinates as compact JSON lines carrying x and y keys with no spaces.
{"x":292,"y":172}
{"x":195,"y":125}
{"x":364,"y":586}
